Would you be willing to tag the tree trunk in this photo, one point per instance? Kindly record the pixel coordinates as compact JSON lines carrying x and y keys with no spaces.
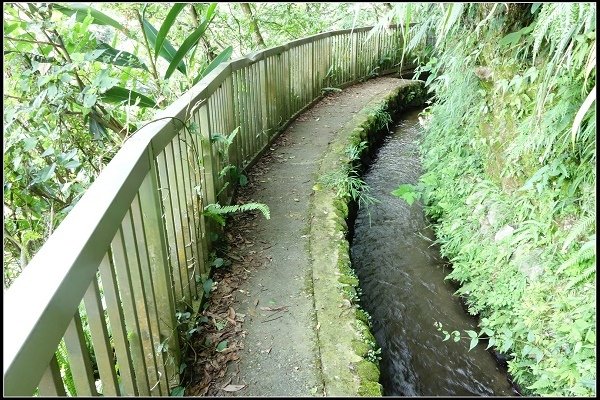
{"x":258,"y":39}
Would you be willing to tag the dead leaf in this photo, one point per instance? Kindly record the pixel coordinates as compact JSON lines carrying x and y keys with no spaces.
{"x":233,"y":388}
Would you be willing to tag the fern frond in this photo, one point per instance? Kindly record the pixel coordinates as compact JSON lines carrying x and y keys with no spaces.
{"x":219,"y":210}
{"x":586,"y":252}
{"x":581,"y":277}
{"x":580,"y":228}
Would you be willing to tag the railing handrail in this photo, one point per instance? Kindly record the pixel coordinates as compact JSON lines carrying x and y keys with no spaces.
{"x":59,"y":274}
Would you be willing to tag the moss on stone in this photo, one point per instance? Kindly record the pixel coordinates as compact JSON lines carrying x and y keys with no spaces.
{"x":344,"y":265}
{"x":360,"y":348}
{"x":367,"y":371}
{"x":370,"y":389}
{"x":349,"y":293}
{"x":340,"y":222}
{"x":339,"y":214}
{"x":344,"y":247}
{"x":355,"y":137}
{"x":361,"y":315}
{"x":348,"y":280}
{"x":341,"y":206}
{"x":365,"y":332}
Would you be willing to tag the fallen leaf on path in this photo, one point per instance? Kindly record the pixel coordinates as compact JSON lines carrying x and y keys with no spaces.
{"x":222,"y":345}
{"x":233,"y":388}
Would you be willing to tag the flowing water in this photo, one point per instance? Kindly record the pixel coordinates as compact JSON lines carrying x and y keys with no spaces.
{"x":402,"y":280}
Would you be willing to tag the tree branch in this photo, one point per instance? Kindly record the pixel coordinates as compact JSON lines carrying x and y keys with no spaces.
{"x":14,"y":39}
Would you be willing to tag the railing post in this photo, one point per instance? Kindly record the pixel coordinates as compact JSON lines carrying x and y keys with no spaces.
{"x":234,"y":149}
{"x":208,"y":188}
{"x":355,"y":71}
{"x":51,"y":383}
{"x":134,"y":384}
{"x":156,"y":247}
{"x":207,"y":154}
{"x":264,"y":94}
{"x":79,"y":358}
{"x":100,"y":340}
{"x":312,"y":71}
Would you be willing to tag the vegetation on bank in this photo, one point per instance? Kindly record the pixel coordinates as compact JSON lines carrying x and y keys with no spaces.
{"x":510,"y":183}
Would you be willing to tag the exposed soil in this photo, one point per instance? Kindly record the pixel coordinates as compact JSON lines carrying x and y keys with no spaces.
{"x":263,"y":304}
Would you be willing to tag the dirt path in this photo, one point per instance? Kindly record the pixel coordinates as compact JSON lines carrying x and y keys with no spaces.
{"x":267,"y":292}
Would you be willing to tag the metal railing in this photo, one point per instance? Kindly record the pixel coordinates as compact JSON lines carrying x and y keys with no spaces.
{"x":135,"y":249}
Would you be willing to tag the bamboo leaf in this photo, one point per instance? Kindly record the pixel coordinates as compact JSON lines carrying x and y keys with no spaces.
{"x":166,"y":25}
{"x":81,"y":11}
{"x":167,"y":51}
{"x":222,"y":57}
{"x":117,"y":94}
{"x":452,"y":15}
{"x":190,"y":41}
{"x":119,"y":57}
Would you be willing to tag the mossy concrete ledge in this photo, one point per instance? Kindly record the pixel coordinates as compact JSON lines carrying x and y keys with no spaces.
{"x":345,"y":341}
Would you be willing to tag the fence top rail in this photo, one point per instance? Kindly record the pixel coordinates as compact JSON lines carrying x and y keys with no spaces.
{"x":43,"y":299}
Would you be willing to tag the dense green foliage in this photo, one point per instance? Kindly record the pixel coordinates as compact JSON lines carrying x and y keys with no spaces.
{"x":73,"y":95}
{"x":510,"y":154}
{"x":80,"y":80}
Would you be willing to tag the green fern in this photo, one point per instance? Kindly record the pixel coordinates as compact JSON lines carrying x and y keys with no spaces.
{"x":218,"y":212}
{"x":586,"y":252}
{"x":580,"y":228}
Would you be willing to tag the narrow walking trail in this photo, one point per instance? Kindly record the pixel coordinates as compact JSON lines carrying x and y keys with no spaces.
{"x":267,"y":291}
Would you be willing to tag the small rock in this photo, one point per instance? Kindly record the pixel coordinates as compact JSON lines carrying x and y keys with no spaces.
{"x":504,"y":232}
{"x":483,"y":73}
{"x":492,"y":216}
